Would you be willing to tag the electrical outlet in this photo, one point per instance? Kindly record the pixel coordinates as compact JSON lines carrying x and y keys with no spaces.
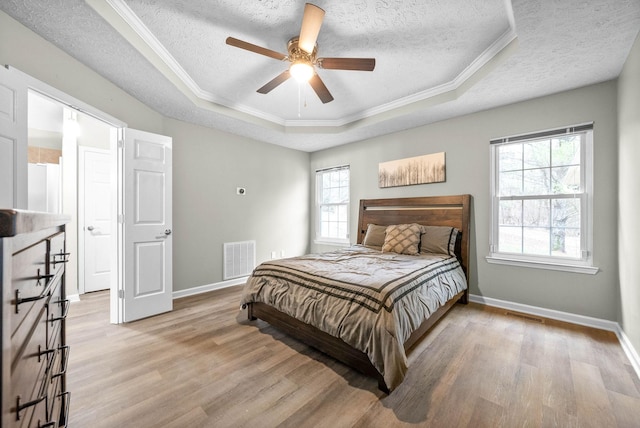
{"x":241,"y":191}
{"x":282,"y":254}
{"x":273,"y":255}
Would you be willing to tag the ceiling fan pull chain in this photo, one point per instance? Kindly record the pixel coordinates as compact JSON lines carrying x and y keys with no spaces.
{"x":305,"y":97}
{"x":299,"y":99}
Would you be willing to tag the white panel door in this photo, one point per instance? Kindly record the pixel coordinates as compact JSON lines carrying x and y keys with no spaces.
{"x":94,"y":188}
{"x":13,"y":140}
{"x":147,"y":225}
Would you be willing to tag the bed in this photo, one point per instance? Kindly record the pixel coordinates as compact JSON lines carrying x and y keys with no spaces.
{"x":366,"y":305}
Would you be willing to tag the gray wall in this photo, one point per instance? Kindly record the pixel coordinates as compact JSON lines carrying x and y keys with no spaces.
{"x":466,"y":143}
{"x":208,"y":166}
{"x":21,"y":48}
{"x":629,"y":195}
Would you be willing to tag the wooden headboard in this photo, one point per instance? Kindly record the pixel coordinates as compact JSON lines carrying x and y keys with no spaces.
{"x":429,"y":211}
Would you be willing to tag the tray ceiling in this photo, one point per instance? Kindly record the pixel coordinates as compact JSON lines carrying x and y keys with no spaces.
{"x":434,"y":59}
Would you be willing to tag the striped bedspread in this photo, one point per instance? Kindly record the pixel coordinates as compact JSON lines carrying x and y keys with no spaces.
{"x":371,"y":300}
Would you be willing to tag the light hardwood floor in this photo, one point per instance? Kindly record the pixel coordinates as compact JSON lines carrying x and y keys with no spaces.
{"x":204,"y":365}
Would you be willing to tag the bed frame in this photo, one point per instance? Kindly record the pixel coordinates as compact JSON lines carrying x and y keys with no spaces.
{"x":436,"y":211}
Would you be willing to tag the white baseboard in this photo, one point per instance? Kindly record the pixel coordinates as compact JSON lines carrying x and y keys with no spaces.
{"x":547,"y":313}
{"x":628,"y":349}
{"x":190,"y":291}
{"x":598,"y":323}
{"x":208,"y":287}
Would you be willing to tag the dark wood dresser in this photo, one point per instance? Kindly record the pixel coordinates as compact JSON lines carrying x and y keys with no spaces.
{"x":34,"y":307}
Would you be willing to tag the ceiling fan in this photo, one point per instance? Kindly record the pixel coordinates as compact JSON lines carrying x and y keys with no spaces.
{"x":302,"y":51}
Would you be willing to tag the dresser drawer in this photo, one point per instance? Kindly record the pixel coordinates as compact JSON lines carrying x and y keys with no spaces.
{"x":29,"y":280}
{"x":37,"y":313}
{"x":57,"y":310}
{"x":55,"y":384}
{"x":59,"y":360}
{"x":29,"y":370}
{"x":53,"y":392}
{"x":60,"y":409}
{"x":57,"y":255}
{"x":34,"y":416}
{"x":55,"y":339}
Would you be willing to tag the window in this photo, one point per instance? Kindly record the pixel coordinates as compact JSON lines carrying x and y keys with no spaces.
{"x":541,"y":199}
{"x":332,"y":201}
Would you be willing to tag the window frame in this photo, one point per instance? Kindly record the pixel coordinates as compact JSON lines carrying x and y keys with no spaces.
{"x":584,"y":264}
{"x":319,"y":239}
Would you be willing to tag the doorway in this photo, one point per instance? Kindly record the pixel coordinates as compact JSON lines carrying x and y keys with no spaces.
{"x":70,"y":171}
{"x":140,"y":178}
{"x":95,"y":219}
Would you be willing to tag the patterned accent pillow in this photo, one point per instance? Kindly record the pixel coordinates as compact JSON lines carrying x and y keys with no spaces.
{"x":402,"y":239}
{"x":438,"y":239}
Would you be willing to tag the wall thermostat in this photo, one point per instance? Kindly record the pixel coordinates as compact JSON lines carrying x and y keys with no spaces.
{"x":241,"y":191}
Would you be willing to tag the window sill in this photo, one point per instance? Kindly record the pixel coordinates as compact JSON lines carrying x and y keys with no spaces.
{"x":590,"y":270}
{"x":335,"y":243}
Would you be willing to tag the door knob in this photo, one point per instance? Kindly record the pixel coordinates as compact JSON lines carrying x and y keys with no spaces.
{"x":167,"y":232}
{"x":89,"y":228}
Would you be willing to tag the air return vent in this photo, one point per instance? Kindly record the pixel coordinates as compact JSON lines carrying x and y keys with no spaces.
{"x":524,"y":316}
{"x":239,"y":259}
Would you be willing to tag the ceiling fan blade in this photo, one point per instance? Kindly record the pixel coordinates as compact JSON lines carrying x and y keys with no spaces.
{"x":275,"y":82}
{"x":320,"y":89}
{"x":255,"y":48}
{"x":311,"y":23}
{"x":359,"y":64}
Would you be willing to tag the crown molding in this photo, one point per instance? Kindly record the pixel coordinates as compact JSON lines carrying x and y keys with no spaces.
{"x":162,"y":59}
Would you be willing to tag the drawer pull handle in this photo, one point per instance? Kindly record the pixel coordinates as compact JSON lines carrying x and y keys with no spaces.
{"x":67,"y":304}
{"x":66,"y":396}
{"x":65,"y":350}
{"x":40,"y":277}
{"x":46,"y":352}
{"x":65,"y":257}
{"x":64,"y":419}
{"x":21,"y":407}
{"x":20,"y":300}
{"x":45,"y":293}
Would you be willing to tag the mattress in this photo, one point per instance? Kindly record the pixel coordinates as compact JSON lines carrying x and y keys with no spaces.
{"x":371,"y":300}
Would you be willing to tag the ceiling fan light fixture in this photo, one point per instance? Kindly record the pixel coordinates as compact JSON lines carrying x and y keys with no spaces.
{"x":302,"y":54}
{"x":302,"y":71}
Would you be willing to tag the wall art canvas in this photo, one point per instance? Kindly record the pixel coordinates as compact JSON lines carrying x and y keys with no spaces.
{"x":409,"y":171}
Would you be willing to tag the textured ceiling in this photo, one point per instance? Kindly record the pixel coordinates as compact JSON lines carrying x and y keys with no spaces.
{"x":434,"y":59}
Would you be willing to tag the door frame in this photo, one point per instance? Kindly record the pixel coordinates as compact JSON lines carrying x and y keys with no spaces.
{"x":117,"y":126}
{"x":82,"y":151}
